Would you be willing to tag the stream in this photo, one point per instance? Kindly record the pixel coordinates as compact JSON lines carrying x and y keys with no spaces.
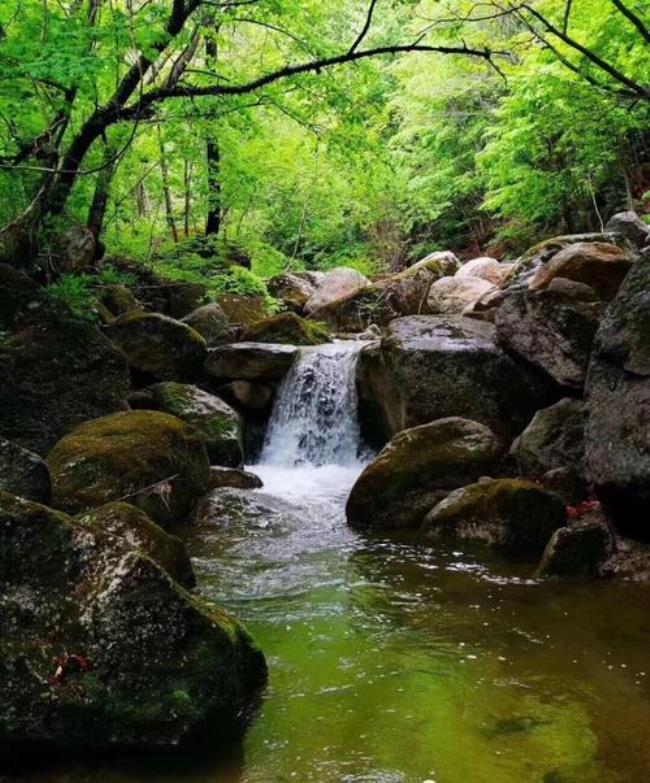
{"x":395,"y":662}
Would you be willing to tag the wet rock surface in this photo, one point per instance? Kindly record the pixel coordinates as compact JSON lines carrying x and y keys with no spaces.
{"x":23,"y":473}
{"x":250,"y":361}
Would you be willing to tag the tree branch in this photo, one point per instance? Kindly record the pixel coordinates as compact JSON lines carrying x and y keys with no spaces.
{"x":636,"y":20}
{"x":366,"y":27}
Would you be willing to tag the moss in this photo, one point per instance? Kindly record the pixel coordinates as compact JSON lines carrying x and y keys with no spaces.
{"x":287,"y":328}
{"x":155,"y":460}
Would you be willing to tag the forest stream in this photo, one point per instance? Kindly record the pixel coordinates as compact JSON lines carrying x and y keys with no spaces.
{"x":393,"y":664}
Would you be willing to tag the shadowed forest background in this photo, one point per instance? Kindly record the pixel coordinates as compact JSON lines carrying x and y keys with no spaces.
{"x":155,"y":123}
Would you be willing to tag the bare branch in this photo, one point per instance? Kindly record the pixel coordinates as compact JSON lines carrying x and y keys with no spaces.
{"x":636,"y":20}
{"x":366,"y":27}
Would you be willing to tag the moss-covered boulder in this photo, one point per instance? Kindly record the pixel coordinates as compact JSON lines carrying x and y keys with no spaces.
{"x":211,"y":323}
{"x":419,"y":467}
{"x":577,"y":550}
{"x":154,"y":460}
{"x":515,"y":516}
{"x":56,"y":374}
{"x":442,"y":262}
{"x":23,"y":473}
{"x":431,"y":367}
{"x":242,"y":310}
{"x":250,"y":361}
{"x":357,"y":311}
{"x":600,"y":265}
{"x":211,"y":417}
{"x":551,"y":330}
{"x":100,"y":648}
{"x":157,"y":346}
{"x":138,"y":531}
{"x":288,"y":329}
{"x":553,"y":439}
{"x":118,"y":299}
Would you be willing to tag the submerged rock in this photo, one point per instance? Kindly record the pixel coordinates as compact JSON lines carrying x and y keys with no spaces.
{"x":431,"y":367}
{"x":158,"y":346}
{"x":100,"y":648}
{"x":618,"y":403}
{"x":55,"y":374}
{"x":139,"y":532}
{"x":250,"y":361}
{"x":417,"y":468}
{"x":515,"y":516}
{"x":551,"y":331}
{"x":286,"y":328}
{"x":23,"y":473}
{"x":233,"y":477}
{"x":553,"y":439}
{"x":155,"y":461}
{"x":230,"y":507}
{"x":218,"y":424}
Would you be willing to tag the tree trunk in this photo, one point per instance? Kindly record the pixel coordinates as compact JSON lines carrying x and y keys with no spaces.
{"x":169,"y":207}
{"x":97,"y":211}
{"x":213,"y":221}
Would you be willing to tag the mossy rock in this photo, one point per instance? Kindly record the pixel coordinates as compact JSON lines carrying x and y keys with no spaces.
{"x":157,"y":346}
{"x":134,"y":526}
{"x":211,"y":323}
{"x":357,"y":311}
{"x":56,"y":374}
{"x":291,"y":290}
{"x":419,"y":467}
{"x":152,"y":459}
{"x":100,"y":648}
{"x":287,"y":328}
{"x":234,"y":478}
{"x":118,"y":300}
{"x":515,"y":516}
{"x":579,"y":550}
{"x":250,"y":361}
{"x":242,"y":310}
{"x":23,"y":473}
{"x":217,"y":423}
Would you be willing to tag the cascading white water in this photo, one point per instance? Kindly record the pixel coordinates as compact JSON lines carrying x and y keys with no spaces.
{"x":314,"y":419}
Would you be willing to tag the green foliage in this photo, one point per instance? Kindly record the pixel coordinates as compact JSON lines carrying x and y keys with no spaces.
{"x":74,"y":294}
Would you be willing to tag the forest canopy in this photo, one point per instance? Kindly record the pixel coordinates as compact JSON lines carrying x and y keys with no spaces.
{"x":315,"y":134}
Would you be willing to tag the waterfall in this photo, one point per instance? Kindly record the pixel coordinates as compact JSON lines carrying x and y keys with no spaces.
{"x":314,"y":419}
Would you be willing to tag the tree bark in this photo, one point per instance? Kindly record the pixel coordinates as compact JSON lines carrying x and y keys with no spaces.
{"x":164,"y":170}
{"x":97,"y":211}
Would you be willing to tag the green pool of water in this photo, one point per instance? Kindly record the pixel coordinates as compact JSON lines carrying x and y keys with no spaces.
{"x":393,"y":662}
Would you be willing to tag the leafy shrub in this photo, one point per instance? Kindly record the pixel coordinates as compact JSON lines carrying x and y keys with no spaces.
{"x":75,"y":294}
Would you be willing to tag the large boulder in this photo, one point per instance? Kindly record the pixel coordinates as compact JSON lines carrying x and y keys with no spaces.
{"x":157,"y":346}
{"x":234,"y":478}
{"x":211,"y":323}
{"x":56,"y":374}
{"x":485,"y":268}
{"x":242,"y":310}
{"x":118,"y":299}
{"x":228,"y":508}
{"x":250,"y":361}
{"x":154,"y":460}
{"x":73,"y":251}
{"x":430,"y":367}
{"x":417,"y":468}
{"x":286,"y":328}
{"x":600,"y":265}
{"x":100,"y":648}
{"x":23,"y":473}
{"x":630,"y":226}
{"x":443,"y":263}
{"x":134,"y":526}
{"x":577,"y":550}
{"x":337,"y":284}
{"x":550,"y":330}
{"x":356,"y":312}
{"x":454,"y":295}
{"x":217,"y":423}
{"x":553,"y":439}
{"x":293,"y":291}
{"x":515,"y":516}
{"x":251,"y":398}
{"x":618,"y":403}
